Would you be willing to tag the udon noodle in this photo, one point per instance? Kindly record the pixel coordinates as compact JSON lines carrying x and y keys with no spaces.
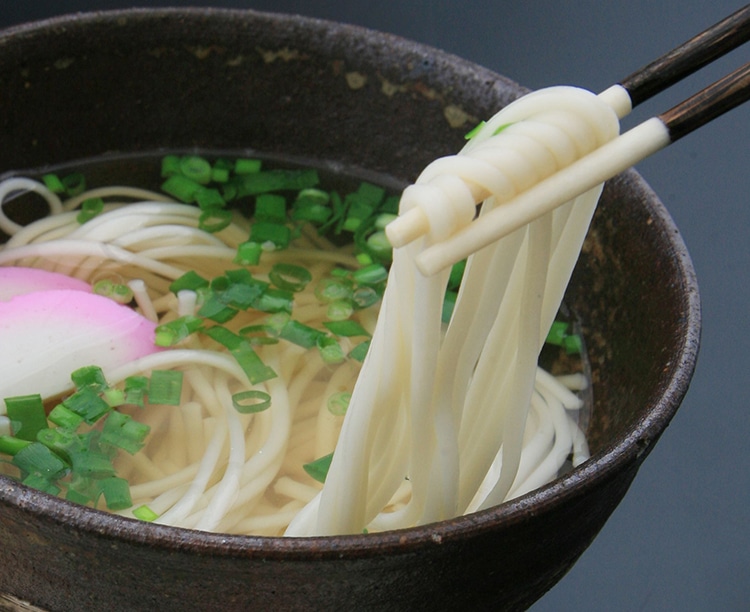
{"x":442,"y":419}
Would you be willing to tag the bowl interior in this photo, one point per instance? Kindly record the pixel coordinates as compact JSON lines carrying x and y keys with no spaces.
{"x":147,"y":80}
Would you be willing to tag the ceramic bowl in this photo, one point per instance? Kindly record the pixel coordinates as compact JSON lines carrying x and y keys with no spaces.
{"x":144,"y":80}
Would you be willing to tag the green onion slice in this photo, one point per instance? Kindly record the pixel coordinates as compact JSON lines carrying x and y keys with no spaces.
{"x":290,"y":277}
{"x":318,"y":469}
{"x":252,"y":401}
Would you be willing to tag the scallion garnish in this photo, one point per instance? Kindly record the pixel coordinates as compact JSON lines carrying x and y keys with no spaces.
{"x":89,"y":376}
{"x":289,"y":276}
{"x":116,"y":492}
{"x":214,"y":220}
{"x":251,"y":401}
{"x":144,"y":513}
{"x":120,"y":293}
{"x":88,"y":404}
{"x":124,"y":432}
{"x":359,"y":352}
{"x":191,"y":281}
{"x":243,"y":352}
{"x":301,"y":334}
{"x":318,"y":469}
{"x":330,"y":350}
{"x":27,"y":416}
{"x":90,"y":208}
{"x":165,"y":387}
{"x":196,"y":168}
{"x":346,"y":328}
{"x":338,"y":403}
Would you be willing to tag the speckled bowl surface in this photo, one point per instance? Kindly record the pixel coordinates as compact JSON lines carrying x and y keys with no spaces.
{"x":142,"y":80}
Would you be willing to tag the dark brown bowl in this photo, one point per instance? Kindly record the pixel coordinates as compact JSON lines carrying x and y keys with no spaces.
{"x":141,"y":80}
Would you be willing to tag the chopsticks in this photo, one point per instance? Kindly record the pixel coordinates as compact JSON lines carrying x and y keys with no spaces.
{"x":689,"y":57}
{"x":627,"y":149}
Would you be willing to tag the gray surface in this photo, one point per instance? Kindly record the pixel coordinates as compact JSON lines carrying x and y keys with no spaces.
{"x":680,"y":540}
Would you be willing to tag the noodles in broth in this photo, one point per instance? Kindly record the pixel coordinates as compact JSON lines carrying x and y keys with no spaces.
{"x":440,"y":419}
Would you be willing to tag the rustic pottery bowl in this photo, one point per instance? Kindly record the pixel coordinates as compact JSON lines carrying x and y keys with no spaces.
{"x":142,"y":80}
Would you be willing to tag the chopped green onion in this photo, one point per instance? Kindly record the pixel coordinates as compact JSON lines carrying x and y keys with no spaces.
{"x":190,"y":281}
{"x":248,"y":253}
{"x":243,"y":352}
{"x":122,"y":294}
{"x":75,"y":184}
{"x":457,"y":273}
{"x":251,"y":401}
{"x":64,"y":417}
{"x":267,"y":232}
{"x":27,"y":416}
{"x":196,"y":168}
{"x":289,"y":276}
{"x":53,"y":183}
{"x":170,"y":165}
{"x":364,"y":297}
{"x":474,"y":131}
{"x":339,"y":310}
{"x":371,"y":275}
{"x":259,"y":334}
{"x":573,"y":344}
{"x":62,"y":441}
{"x":174,"y":332}
{"x":92,"y":464}
{"x":338,"y":403}
{"x":209,"y":198}
{"x":247,"y":166}
{"x":215,"y":309}
{"x":318,"y":469}
{"x":557,"y":333}
{"x":89,"y":376}
{"x":214,"y":220}
{"x":301,"y":334}
{"x":276,"y":322}
{"x":90,"y":208}
{"x":360,"y":351}
{"x":364,"y":259}
{"x":165,"y":387}
{"x":87,"y":403}
{"x":270,"y":207}
{"x":274,"y":300}
{"x":116,"y":493}
{"x":36,"y":458}
{"x":370,"y":194}
{"x":449,"y":305}
{"x":113,"y":397}
{"x":501,"y":128}
{"x":124,"y":432}
{"x":144,"y":513}
{"x":378,"y":242}
{"x":312,"y":205}
{"x":181,"y":188}
{"x":136,"y":388}
{"x":333,"y":289}
{"x":346,"y":328}
{"x":41,"y":483}
{"x":10,"y":445}
{"x":330,"y":350}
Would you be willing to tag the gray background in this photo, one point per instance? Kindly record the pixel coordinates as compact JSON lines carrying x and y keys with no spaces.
{"x":680,"y":540}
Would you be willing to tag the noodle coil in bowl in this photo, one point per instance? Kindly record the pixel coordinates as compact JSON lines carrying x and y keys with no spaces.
{"x":346,"y":98}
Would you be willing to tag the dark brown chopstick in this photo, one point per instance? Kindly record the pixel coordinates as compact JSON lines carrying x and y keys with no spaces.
{"x":724,"y":95}
{"x":699,"y":51}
